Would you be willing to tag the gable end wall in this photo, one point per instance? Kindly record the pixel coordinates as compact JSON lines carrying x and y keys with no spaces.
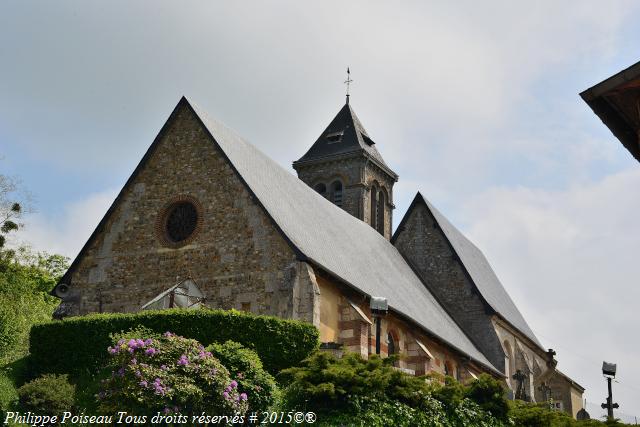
{"x":425,"y":247}
{"x":238,"y":256}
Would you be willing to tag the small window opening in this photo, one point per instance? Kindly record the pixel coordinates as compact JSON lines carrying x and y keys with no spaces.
{"x":334,"y":137}
{"x":245,"y":306}
{"x":391,"y":344}
{"x":367,"y":140}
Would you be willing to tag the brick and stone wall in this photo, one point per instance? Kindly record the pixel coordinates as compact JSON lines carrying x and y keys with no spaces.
{"x":341,"y":324}
{"x":236,"y":257}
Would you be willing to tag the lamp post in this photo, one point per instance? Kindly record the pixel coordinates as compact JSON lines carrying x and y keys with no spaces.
{"x":609,"y":372}
{"x":379,"y":307}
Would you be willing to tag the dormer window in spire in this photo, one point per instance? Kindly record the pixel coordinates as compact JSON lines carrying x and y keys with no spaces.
{"x":336,"y":190}
{"x":367,"y":140}
{"x":345,"y":149}
{"x":334,"y":137}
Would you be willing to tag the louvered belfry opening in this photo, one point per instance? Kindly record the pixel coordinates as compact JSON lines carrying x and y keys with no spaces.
{"x":336,"y":191}
{"x":380,"y":213}
{"x":346,"y":160}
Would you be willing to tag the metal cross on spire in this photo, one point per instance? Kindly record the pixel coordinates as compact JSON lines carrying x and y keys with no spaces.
{"x":348,"y":83}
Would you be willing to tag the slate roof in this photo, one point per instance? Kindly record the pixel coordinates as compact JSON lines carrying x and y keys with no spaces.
{"x":345,"y":134}
{"x":330,"y":238}
{"x":480,"y":271}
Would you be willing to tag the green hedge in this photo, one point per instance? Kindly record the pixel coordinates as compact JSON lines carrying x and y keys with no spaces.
{"x":79,"y":344}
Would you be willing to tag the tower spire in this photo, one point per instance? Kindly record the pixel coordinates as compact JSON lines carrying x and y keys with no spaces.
{"x":348,"y":83}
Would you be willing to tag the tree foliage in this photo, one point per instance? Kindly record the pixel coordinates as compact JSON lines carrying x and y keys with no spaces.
{"x":11,"y":210}
{"x":25,"y":281}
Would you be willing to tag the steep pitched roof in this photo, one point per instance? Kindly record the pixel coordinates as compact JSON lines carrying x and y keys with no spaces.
{"x":337,"y":242}
{"x":345,"y":134}
{"x":323,"y":234}
{"x":479,"y":270}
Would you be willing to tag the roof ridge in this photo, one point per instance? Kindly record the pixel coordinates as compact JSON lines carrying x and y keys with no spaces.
{"x":319,"y":232}
{"x":481,"y":275}
{"x":342,"y":236}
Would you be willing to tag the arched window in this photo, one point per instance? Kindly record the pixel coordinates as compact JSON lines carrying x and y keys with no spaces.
{"x":509,"y":362}
{"x":391,"y":346}
{"x":321,"y":189}
{"x":336,"y":189}
{"x":380,"y":213}
{"x":374,"y":205}
{"x":448,"y":368}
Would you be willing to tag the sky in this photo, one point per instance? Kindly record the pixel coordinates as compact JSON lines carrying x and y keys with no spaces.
{"x":473,"y":104}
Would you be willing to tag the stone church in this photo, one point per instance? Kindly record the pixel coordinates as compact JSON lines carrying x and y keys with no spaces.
{"x":207,"y":213}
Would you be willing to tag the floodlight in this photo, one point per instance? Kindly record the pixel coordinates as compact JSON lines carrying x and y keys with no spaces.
{"x":609,"y":369}
{"x":379,"y":305}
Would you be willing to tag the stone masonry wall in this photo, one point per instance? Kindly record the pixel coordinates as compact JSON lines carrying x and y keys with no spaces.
{"x":423,"y":244}
{"x":347,"y":171}
{"x":373,"y":174}
{"x":357,"y":176}
{"x":237,"y":257}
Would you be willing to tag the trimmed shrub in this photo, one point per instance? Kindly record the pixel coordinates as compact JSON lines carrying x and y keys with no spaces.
{"x":355,"y":392}
{"x":537,"y":415}
{"x":245,"y":366}
{"x":323,"y":382}
{"x":47,"y":395}
{"x":490,"y":394}
{"x":370,"y":412}
{"x":170,"y":374}
{"x":78,"y":343}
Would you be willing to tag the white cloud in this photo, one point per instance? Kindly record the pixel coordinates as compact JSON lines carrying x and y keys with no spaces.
{"x":569,"y":260}
{"x":65,"y":233}
{"x":460,"y":97}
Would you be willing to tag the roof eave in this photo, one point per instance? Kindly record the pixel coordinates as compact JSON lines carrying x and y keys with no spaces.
{"x":523,"y":335}
{"x":490,"y":309}
{"x":347,"y":154}
{"x":624,"y":76}
{"x":410,"y":319}
{"x":617,"y":124}
{"x":572,"y":382}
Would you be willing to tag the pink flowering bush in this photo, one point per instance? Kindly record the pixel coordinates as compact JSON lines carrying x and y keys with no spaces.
{"x":169,"y":374}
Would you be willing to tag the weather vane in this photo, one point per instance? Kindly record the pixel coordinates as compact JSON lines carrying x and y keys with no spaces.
{"x":348,"y":83}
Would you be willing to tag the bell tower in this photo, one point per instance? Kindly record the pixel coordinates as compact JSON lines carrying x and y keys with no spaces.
{"x":345,"y":167}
